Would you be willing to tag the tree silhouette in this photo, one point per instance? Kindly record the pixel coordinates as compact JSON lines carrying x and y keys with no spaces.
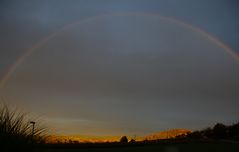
{"x":124,"y":139}
{"x":219,"y":131}
{"x":132,"y":141}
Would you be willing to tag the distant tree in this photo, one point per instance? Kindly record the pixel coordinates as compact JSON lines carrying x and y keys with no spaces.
{"x":219,"y":131}
{"x":234,"y":132}
{"x":132,"y":141}
{"x":124,"y":139}
{"x":207,"y":133}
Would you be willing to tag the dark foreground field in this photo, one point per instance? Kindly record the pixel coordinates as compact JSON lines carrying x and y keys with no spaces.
{"x":159,"y":147}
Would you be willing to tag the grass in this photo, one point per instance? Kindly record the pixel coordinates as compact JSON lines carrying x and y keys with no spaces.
{"x":16,"y":130}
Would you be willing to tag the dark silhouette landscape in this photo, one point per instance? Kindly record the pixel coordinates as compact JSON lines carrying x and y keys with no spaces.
{"x":18,"y":134}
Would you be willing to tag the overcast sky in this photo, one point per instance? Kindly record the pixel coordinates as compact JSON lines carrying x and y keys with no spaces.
{"x":125,"y":67}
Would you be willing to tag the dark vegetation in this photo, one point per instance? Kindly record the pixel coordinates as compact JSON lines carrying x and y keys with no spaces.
{"x":220,"y":138}
{"x":218,"y":132}
{"x":16,"y":132}
{"x":124,"y":139}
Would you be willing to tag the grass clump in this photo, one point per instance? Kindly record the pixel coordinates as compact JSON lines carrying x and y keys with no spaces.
{"x":16,"y":131}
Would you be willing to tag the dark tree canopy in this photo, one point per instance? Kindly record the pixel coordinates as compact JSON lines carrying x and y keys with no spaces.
{"x":124,"y":139}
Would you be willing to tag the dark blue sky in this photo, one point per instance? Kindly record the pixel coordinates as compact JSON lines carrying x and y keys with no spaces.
{"x":122,"y":74}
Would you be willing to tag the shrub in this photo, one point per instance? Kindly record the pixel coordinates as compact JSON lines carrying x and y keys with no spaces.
{"x":124,"y":139}
{"x":219,"y":131}
{"x":16,"y":131}
{"x":132,"y":141}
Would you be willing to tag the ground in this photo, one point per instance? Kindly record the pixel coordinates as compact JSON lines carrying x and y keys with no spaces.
{"x":161,"y":147}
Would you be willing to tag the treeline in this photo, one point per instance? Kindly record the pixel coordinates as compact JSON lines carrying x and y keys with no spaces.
{"x":218,"y":132}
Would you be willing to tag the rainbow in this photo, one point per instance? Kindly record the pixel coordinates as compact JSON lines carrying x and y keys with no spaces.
{"x":7,"y":75}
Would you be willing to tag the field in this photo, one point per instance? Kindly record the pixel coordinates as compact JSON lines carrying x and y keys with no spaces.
{"x":159,"y":147}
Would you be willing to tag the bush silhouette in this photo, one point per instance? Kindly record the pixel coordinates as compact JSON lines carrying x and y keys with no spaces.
{"x":207,"y":133}
{"x":124,"y":139}
{"x":219,"y":131}
{"x":16,"y":131}
{"x":132,"y":141}
{"x":234,"y":132}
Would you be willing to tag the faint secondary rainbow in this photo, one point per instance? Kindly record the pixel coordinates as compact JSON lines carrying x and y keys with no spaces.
{"x":7,"y":75}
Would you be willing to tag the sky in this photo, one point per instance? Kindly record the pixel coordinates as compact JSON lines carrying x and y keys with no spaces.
{"x":107,"y":67}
